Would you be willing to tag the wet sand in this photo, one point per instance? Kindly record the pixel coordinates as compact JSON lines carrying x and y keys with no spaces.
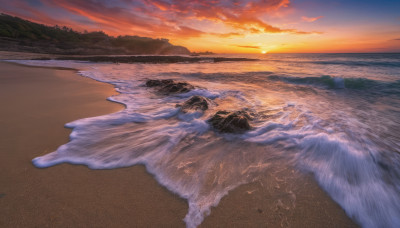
{"x":37,"y":102}
{"x":285,"y":198}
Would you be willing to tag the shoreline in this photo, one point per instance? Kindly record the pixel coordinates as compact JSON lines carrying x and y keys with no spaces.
{"x":39,"y":102}
{"x":238,"y":208}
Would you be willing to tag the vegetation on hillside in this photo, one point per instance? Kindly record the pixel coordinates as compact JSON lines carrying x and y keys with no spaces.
{"x":17,"y":34}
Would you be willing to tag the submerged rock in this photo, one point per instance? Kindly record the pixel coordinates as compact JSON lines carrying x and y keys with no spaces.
{"x":154,"y":83}
{"x":230,"y":122}
{"x":169,"y":86}
{"x":195,"y":103}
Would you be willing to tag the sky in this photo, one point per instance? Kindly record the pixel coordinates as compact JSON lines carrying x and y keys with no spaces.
{"x":231,"y":26}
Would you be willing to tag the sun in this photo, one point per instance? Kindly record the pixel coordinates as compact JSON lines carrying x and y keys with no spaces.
{"x":263,"y":52}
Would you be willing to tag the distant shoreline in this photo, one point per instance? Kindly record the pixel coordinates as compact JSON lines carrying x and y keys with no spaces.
{"x":152,"y":59}
{"x":12,"y":55}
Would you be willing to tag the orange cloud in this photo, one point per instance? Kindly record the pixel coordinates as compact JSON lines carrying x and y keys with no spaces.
{"x":183,"y":31}
{"x":248,"y":46}
{"x":226,"y":35}
{"x":311,"y":19}
{"x":161,"y":17}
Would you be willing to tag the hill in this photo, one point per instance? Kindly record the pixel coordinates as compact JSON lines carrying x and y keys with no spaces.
{"x":17,"y":34}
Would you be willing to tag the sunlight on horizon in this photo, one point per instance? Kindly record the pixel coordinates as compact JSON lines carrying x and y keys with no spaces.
{"x":279,"y":26}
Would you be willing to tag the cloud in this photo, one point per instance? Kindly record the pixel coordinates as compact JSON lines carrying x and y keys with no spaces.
{"x":162,"y":18}
{"x":248,"y":46}
{"x":227,"y":35}
{"x":184,"y":31}
{"x":311,"y":19}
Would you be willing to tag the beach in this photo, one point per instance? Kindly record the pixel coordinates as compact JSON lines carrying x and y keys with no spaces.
{"x":199,"y":114}
{"x":40,"y":101}
{"x":37,"y":102}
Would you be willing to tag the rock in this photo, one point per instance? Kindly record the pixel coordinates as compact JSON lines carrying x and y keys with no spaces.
{"x":180,"y":87}
{"x":154,"y":83}
{"x":230,"y":122}
{"x":195,"y":103}
{"x":169,"y":86}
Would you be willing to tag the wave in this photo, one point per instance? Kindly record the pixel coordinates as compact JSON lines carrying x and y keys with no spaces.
{"x":360,"y":177}
{"x":340,"y":83}
{"x":351,"y":60}
{"x":179,"y":154}
{"x":357,"y":63}
{"x":185,"y":156}
{"x":355,"y":177}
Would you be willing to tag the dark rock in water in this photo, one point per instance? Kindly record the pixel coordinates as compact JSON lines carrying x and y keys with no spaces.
{"x":180,"y":87}
{"x":195,"y":103}
{"x":154,"y":83}
{"x":230,"y":122}
{"x":169,"y":86}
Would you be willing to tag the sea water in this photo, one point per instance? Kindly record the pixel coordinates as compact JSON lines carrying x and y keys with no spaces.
{"x":336,"y":116}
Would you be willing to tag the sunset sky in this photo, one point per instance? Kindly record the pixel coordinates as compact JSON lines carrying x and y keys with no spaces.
{"x":231,"y":26}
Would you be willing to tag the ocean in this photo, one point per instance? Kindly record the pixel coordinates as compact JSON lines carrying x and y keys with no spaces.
{"x":335,"y":117}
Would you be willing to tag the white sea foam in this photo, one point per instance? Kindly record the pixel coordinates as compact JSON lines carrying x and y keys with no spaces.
{"x":352,"y":178}
{"x":344,"y":141}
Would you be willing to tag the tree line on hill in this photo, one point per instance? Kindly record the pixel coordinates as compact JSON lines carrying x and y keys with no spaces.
{"x":17,"y":34}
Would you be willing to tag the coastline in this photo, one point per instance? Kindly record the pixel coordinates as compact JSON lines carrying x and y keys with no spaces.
{"x":39,"y":101}
{"x":129,"y":196}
